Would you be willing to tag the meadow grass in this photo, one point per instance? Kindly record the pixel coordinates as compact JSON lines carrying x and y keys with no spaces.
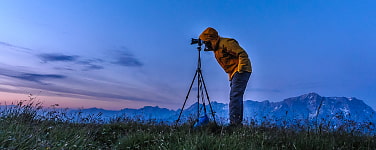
{"x":21,"y":127}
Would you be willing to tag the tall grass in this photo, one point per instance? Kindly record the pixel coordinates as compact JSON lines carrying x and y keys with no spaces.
{"x":26,"y":125}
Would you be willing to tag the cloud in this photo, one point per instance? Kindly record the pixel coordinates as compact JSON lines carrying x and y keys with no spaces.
{"x":64,"y":68}
{"x":51,"y":82}
{"x":37,"y":77}
{"x":85,"y":64}
{"x":120,"y":57}
{"x":33,"y":77}
{"x":93,"y":67}
{"x":128,"y":61}
{"x":6,"y":44}
{"x":48,"y":57}
{"x":91,"y":64}
{"x":19,"y":48}
{"x":38,"y":81}
{"x":74,"y":93}
{"x":125,"y":58}
{"x":97,"y":95}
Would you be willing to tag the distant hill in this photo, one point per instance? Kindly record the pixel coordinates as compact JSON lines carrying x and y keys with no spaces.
{"x":309,"y":108}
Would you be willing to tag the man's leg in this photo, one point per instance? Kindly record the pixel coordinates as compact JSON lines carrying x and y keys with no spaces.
{"x":238,"y":85}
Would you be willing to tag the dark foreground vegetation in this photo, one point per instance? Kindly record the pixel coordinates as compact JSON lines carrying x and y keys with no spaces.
{"x":21,"y":127}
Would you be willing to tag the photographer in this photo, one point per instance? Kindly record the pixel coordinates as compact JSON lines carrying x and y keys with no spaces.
{"x":234,"y":60}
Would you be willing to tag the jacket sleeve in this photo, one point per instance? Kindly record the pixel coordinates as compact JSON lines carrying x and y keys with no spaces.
{"x":244,"y":62}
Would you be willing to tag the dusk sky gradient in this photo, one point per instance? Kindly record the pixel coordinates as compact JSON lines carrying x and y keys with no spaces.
{"x":129,"y":54}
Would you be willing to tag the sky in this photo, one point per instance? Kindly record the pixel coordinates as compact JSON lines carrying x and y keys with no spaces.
{"x":133,"y":53}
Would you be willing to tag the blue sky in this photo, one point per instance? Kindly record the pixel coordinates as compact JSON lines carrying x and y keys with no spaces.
{"x":118,"y":54}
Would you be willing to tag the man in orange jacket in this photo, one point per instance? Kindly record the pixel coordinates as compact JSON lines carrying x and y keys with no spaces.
{"x":234,"y":60}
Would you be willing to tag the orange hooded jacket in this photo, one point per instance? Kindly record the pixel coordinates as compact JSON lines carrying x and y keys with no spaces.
{"x":230,"y":56}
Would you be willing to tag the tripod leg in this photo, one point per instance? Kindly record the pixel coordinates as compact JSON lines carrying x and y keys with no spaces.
{"x":198,"y":94}
{"x":202,"y":94}
{"x":186,"y":97}
{"x":207,"y":97}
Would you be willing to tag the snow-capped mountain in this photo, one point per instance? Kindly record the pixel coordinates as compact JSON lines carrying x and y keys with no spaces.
{"x":307,"y":108}
{"x":311,"y":107}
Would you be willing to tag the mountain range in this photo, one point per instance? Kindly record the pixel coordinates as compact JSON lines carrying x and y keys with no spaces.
{"x":309,"y":108}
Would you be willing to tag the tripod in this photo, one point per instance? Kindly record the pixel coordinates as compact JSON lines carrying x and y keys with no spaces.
{"x":200,"y":85}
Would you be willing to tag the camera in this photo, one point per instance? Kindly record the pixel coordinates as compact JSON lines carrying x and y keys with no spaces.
{"x":200,"y":42}
{"x":196,"y":41}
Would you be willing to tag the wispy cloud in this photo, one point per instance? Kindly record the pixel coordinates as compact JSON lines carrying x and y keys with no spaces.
{"x":57,"y":82}
{"x":52,"y":57}
{"x":33,"y":77}
{"x":45,"y":83}
{"x":64,"y":68}
{"x":125,"y":58}
{"x":85,"y":64}
{"x":92,"y":67}
{"x":19,"y":48}
{"x":38,"y":77}
{"x":76,"y":93}
{"x":121,"y":57}
{"x":6,"y":44}
{"x":92,"y":64}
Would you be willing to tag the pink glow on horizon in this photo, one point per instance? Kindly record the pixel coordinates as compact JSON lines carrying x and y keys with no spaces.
{"x":68,"y":102}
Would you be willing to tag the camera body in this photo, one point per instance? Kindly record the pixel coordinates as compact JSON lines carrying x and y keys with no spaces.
{"x":199,"y":42}
{"x":196,"y":41}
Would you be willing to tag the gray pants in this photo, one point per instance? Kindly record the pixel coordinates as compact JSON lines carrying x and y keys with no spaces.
{"x":238,"y":84}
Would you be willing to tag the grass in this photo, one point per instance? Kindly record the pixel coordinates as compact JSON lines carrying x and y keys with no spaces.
{"x":22,"y":128}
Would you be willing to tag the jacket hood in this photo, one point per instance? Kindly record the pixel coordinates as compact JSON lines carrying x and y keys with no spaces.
{"x":209,"y":34}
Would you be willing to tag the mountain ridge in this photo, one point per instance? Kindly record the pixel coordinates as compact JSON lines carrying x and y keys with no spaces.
{"x":310,"y":107}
